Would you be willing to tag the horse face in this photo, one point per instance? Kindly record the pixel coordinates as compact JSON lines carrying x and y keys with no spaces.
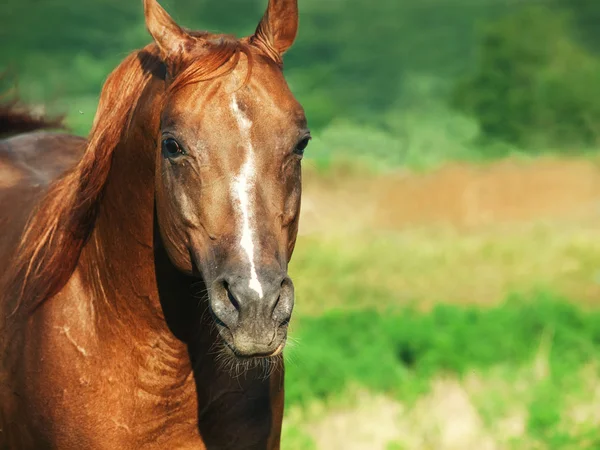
{"x":228,"y":183}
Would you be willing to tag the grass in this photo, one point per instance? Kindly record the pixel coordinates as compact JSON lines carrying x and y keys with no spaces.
{"x":394,"y":352}
{"x":427,"y":266}
{"x":539,"y":354}
{"x":434,"y":337}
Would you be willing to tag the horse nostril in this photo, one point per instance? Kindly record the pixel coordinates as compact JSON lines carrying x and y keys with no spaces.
{"x":282,"y":307}
{"x":274,"y":308}
{"x":224,"y":305}
{"x":231,"y":297}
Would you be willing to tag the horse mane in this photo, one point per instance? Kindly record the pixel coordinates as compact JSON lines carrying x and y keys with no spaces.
{"x":62,"y":223}
{"x":15,"y":119}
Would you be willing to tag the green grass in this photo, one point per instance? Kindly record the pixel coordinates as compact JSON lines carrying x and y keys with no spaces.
{"x":498,"y":318}
{"x":398,"y":352}
{"x":401,"y":353}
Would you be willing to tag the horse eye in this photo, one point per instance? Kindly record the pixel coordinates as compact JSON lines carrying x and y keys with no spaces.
{"x":171,"y":148}
{"x":301,"y":146}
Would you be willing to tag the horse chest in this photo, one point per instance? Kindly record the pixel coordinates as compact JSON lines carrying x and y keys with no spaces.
{"x":96,"y":409}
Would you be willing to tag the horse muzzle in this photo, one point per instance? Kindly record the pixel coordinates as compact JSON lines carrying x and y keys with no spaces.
{"x":252,"y":312}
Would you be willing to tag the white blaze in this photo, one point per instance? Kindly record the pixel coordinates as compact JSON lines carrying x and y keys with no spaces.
{"x":241,"y":188}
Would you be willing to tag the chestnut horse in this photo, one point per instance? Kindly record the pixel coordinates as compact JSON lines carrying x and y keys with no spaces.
{"x":144,"y":293}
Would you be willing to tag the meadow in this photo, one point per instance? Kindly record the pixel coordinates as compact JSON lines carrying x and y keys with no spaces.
{"x":465,"y":323}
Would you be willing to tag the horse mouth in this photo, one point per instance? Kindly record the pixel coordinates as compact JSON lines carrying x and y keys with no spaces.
{"x":235,"y":352}
{"x":247,"y":349}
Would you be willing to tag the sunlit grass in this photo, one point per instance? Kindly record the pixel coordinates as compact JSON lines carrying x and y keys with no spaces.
{"x":427,"y":266}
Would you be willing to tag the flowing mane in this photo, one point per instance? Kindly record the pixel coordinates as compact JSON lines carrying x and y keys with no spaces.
{"x":64,"y":219}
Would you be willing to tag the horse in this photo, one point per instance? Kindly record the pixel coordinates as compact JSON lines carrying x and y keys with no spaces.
{"x":144,"y":292}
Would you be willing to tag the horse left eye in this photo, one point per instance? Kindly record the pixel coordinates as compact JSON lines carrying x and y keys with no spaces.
{"x":171,"y":148}
{"x":301,"y":146}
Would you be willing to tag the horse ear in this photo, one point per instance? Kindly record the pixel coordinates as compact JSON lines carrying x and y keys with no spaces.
{"x":279,"y":25}
{"x":170,"y":38}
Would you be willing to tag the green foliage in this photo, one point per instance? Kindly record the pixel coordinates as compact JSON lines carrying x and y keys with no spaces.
{"x":534,"y":85}
{"x":586,"y":16}
{"x":388,"y":352}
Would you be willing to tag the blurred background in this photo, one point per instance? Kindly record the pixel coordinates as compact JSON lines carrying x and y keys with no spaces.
{"x":448,"y":265}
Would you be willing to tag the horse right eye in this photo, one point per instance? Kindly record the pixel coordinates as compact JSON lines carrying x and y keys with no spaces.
{"x":171,"y":148}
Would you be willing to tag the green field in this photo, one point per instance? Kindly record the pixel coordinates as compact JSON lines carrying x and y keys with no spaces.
{"x":522,"y":370}
{"x":447,"y":334}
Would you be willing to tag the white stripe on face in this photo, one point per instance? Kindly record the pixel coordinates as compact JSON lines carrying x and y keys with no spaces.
{"x":241,"y":188}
